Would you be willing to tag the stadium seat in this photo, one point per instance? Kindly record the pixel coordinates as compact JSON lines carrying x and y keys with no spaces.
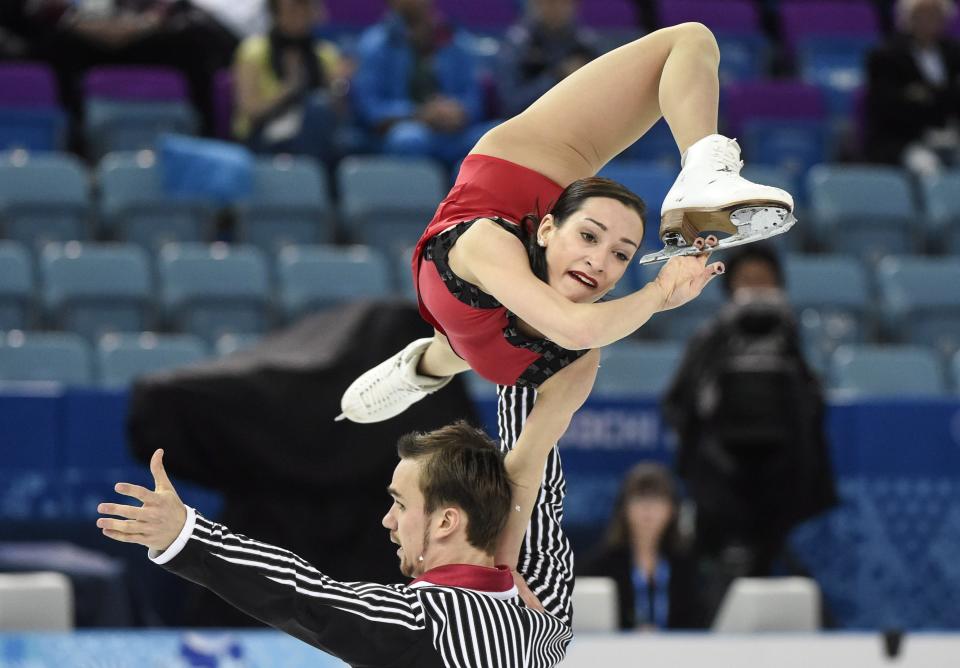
{"x":616,"y":21}
{"x":387,"y":202}
{"x":631,"y":369}
{"x":770,"y":100}
{"x":92,"y":289}
{"x":127,"y":108}
{"x":123,"y":357}
{"x":63,"y":357}
{"x":595,"y":599}
{"x":43,"y":198}
{"x":955,"y":372}
{"x":769,"y":604}
{"x":221,"y":101}
{"x":793,"y":145}
{"x":30,"y":116}
{"x":39,"y":601}
{"x":680,"y":323}
{"x":786,"y":179}
{"x":832,"y":299}
{"x":836,"y":66}
{"x":867,"y":211}
{"x":211,"y":290}
{"x":941,"y":196}
{"x":489,"y":17}
{"x":842,"y":19}
{"x":657,"y":145}
{"x":289,"y":205}
{"x":402,"y":274}
{"x":651,"y":182}
{"x":16,"y":286}
{"x":886,"y":371}
{"x":920,"y":300}
{"x":315,"y":277}
{"x":134,"y":206}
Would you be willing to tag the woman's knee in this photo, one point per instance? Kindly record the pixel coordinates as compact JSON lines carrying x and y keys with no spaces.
{"x":699,"y":34}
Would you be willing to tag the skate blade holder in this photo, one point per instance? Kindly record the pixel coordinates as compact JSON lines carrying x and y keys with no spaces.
{"x":754,"y":223}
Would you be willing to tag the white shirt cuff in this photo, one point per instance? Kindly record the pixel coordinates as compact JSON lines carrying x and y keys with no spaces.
{"x":158,"y":557}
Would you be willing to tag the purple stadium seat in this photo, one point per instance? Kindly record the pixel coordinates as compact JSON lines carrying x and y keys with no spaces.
{"x":355,"y":14}
{"x":140,"y":84}
{"x":770,"y":100}
{"x":223,"y":104}
{"x":823,"y":18}
{"x":27,"y":85}
{"x":733,"y":16}
{"x":488,"y":15}
{"x":609,"y":14}
{"x":954,"y":28}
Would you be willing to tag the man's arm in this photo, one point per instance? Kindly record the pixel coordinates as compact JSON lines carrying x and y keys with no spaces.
{"x":557,"y":400}
{"x":360,"y":623}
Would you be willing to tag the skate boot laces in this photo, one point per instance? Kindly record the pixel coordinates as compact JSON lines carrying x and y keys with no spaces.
{"x":389,"y":390}
{"x":727,"y":156}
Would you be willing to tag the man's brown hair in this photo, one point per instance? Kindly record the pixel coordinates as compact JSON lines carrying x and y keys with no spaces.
{"x":460,"y":465}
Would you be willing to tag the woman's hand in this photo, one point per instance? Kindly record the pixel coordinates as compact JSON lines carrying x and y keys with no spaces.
{"x":157,"y":522}
{"x":682,"y":278}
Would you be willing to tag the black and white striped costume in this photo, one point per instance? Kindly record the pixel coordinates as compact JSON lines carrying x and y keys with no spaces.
{"x":546,"y":558}
{"x":455,"y":616}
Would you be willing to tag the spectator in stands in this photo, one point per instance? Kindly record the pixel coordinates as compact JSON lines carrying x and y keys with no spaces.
{"x":644,"y":552}
{"x":541,"y":50}
{"x":75,"y":36}
{"x":417,"y":86}
{"x":289,"y":85}
{"x":749,"y":414}
{"x":913,"y":90}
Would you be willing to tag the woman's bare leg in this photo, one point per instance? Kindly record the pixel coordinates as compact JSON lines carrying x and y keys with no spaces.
{"x":604,"y":107}
{"x":439,"y":360}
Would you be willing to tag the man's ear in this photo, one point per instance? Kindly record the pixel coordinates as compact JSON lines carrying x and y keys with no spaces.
{"x":448,"y":521}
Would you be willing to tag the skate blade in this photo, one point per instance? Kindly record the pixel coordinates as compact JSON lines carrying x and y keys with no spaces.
{"x":753,"y":224}
{"x":340,"y":418}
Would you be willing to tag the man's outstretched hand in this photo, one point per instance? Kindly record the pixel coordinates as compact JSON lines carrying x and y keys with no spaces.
{"x":157,"y":522}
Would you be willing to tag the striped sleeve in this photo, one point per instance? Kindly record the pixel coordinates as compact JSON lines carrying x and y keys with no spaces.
{"x":361,"y":623}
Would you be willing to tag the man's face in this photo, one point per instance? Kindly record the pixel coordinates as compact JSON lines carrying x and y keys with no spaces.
{"x":406,"y":519}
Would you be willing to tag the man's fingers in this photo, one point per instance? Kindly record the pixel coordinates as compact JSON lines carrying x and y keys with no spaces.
{"x":130,"y":512}
{"x":120,"y":526}
{"x":136,"y":491}
{"x":160,"y":479}
{"x":125,"y":537}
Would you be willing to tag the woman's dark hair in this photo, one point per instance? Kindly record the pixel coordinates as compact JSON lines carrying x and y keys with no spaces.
{"x":569,"y":202}
{"x":755,"y":252}
{"x":644,"y":480}
{"x":460,"y":465}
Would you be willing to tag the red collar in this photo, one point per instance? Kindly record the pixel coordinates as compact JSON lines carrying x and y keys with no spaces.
{"x":496,"y":580}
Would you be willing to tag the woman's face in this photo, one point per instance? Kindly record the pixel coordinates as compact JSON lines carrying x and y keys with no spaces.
{"x":649,"y":516}
{"x":590,"y":251}
{"x":296,"y":18}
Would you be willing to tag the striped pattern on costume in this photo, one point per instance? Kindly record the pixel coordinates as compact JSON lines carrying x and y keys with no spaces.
{"x":422,"y":625}
{"x":546,"y":557}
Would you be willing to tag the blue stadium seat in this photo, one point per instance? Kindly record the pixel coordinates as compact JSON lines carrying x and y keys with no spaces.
{"x":780,"y":177}
{"x":832,"y":299}
{"x":942,"y":202}
{"x":92,"y":289}
{"x":837,"y":66}
{"x":680,"y":323}
{"x":630,"y":369}
{"x":657,"y":145}
{"x":129,"y":125}
{"x":43,"y":198}
{"x":864,"y":210}
{"x":745,"y":56}
{"x":315,"y":277}
{"x":134,"y":206}
{"x":651,"y":181}
{"x":62,"y":357}
{"x":32,"y":129}
{"x":794,"y":145}
{"x":402,"y":274}
{"x":955,"y":372}
{"x":16,"y":286}
{"x":290,"y":204}
{"x":123,"y":357}
{"x":920,"y":300}
{"x":387,"y":201}
{"x":211,"y":290}
{"x":886,"y":371}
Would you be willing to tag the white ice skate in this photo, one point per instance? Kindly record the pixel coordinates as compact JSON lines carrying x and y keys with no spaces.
{"x":710,"y":196}
{"x":389,"y":388}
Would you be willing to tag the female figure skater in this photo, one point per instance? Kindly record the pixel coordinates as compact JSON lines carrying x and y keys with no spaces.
{"x":515,"y":296}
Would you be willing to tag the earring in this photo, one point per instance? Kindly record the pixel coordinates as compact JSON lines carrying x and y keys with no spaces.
{"x":420,"y":558}
{"x":542,"y":243}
